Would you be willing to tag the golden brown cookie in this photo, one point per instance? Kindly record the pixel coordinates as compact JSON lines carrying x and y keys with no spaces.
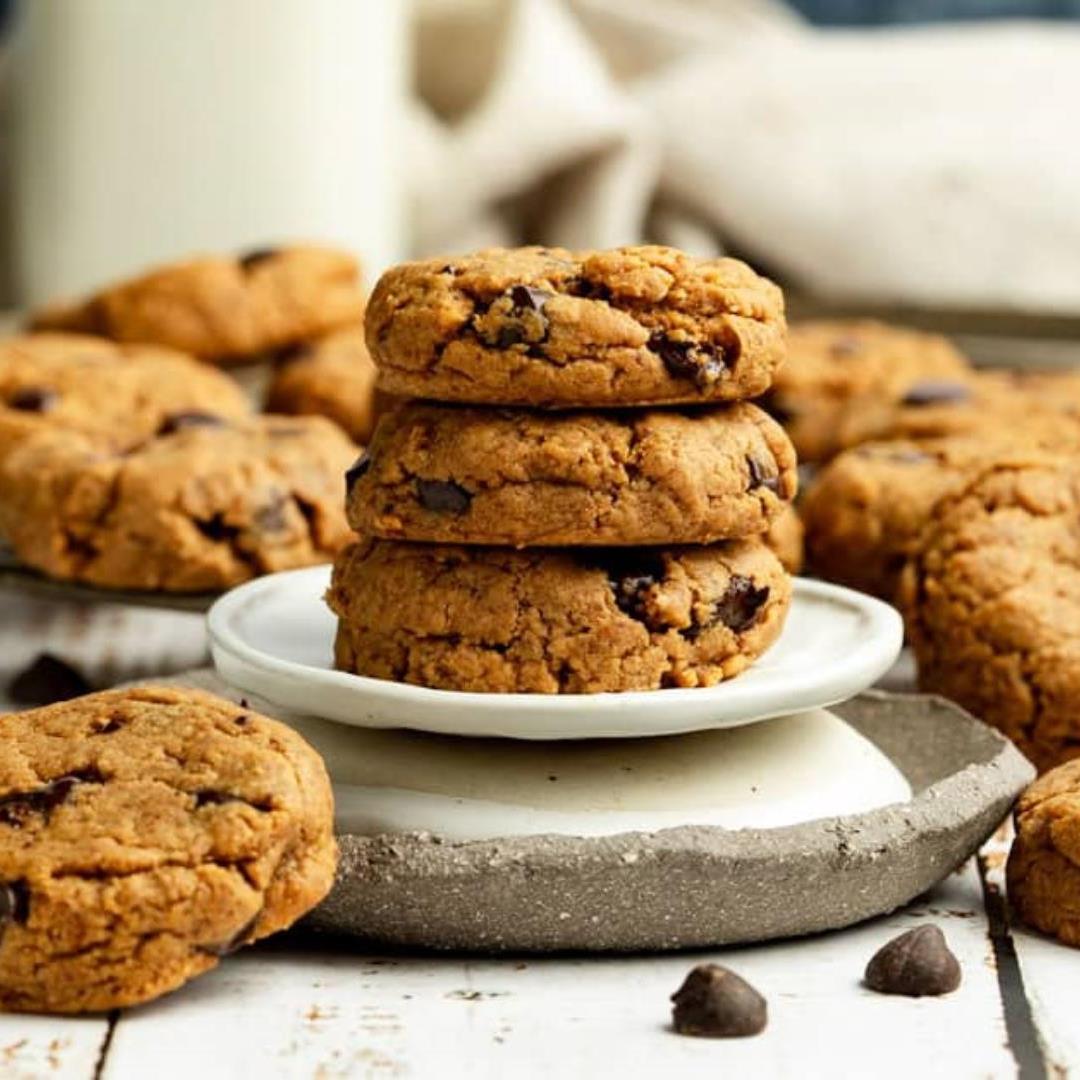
{"x":554,"y":328}
{"x":449,"y":474}
{"x":118,"y":395}
{"x":1044,"y":863}
{"x":555,"y":621}
{"x":785,"y":538}
{"x":845,"y":380}
{"x":144,"y":834}
{"x":224,"y":308}
{"x":992,"y":601}
{"x":332,"y":377}
{"x":202,"y":508}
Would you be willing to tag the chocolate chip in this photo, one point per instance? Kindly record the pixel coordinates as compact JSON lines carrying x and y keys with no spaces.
{"x":449,"y":268}
{"x":193,"y":418}
{"x":588,"y":290}
{"x":45,"y":681}
{"x":14,"y":902}
{"x":715,"y":1003}
{"x":703,"y":364}
{"x":359,"y":468}
{"x":112,"y":725}
{"x":632,"y":573}
{"x":527,"y":298}
{"x":256,"y":256}
{"x":17,"y":808}
{"x":216,"y":528}
{"x":33,"y":399}
{"x":739,"y":606}
{"x":443,"y":496}
{"x":760,"y":477}
{"x":209,"y":797}
{"x":242,"y":719}
{"x":936,"y":392}
{"x":918,"y":963}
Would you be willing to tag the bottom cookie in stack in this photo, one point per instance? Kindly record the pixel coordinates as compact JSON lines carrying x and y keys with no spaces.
{"x":556,"y":620}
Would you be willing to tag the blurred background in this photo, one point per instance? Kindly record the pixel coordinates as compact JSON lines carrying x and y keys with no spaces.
{"x":906,"y":157}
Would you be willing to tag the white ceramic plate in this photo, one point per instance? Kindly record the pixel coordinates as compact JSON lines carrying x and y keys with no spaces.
{"x":274,"y":637}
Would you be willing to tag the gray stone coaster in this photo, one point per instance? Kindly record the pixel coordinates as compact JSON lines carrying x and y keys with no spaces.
{"x":694,"y":886}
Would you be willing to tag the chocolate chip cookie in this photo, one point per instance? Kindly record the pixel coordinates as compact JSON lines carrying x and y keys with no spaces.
{"x":332,"y":377}
{"x":845,"y":380}
{"x":118,"y":395}
{"x":144,"y":834}
{"x":1044,"y":863}
{"x":992,"y":601}
{"x":554,"y":328}
{"x":785,"y":538}
{"x":555,"y":621}
{"x":202,"y":508}
{"x":224,"y":308}
{"x":450,"y":474}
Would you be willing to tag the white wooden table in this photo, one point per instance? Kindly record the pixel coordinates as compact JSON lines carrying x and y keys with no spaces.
{"x":302,"y":1007}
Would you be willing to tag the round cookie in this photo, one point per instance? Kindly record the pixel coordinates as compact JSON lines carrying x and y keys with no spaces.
{"x":554,"y":328}
{"x":992,"y":601}
{"x":224,"y":308}
{"x":332,"y":377}
{"x":144,"y":834}
{"x":202,"y":508}
{"x":1044,"y":863}
{"x":844,"y":380}
{"x":449,"y":474}
{"x":785,"y":538}
{"x":542,"y":621}
{"x":118,"y":395}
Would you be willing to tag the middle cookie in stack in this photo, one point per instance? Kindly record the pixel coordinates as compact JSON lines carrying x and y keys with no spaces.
{"x":586,"y":539}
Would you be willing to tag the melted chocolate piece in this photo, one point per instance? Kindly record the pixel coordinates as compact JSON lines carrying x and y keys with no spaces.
{"x":113,"y":724}
{"x":14,"y":902}
{"x":252,"y":258}
{"x":589,"y":290}
{"x":46,"y":680}
{"x":443,"y":496}
{"x":631,"y":573}
{"x":936,"y":392}
{"x":37,"y":399}
{"x":528,"y":298}
{"x":738,"y":608}
{"x":760,"y":477}
{"x":17,"y":808}
{"x":525,"y":318}
{"x":192,"y":419}
{"x":704,"y":365}
{"x":359,"y":468}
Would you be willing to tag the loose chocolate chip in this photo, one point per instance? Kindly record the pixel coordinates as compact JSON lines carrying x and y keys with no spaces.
{"x":34,"y":399}
{"x":527,"y":298}
{"x":704,"y":364}
{"x":17,"y":808}
{"x":739,"y":606}
{"x":359,"y":468}
{"x":270,"y":518}
{"x":918,"y":963}
{"x":14,"y":902}
{"x":760,"y":477}
{"x":936,"y":392}
{"x":45,"y":681}
{"x":443,"y":496}
{"x":256,"y":256}
{"x":192,"y":419}
{"x":715,"y":1003}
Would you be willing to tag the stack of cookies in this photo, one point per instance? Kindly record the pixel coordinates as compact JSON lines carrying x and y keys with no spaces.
{"x":577,"y":496}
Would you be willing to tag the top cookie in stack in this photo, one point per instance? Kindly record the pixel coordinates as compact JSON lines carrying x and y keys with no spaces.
{"x":591,"y":470}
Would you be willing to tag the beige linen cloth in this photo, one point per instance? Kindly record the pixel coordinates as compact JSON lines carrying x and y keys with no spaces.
{"x":936,"y":166}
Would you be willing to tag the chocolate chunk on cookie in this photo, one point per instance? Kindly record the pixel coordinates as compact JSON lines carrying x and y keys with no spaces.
{"x":555,"y":620}
{"x":451,"y":474}
{"x":224,"y":308}
{"x":204,"y":507}
{"x":554,"y":328}
{"x":118,"y":882}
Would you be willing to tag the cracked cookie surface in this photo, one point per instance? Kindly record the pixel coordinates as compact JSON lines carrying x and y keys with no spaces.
{"x":451,"y":474}
{"x":554,"y":328}
{"x":204,"y":507}
{"x":1044,"y":862}
{"x":332,"y":377}
{"x":992,"y":601}
{"x":224,"y":308}
{"x":144,"y":834}
{"x":118,"y":395}
{"x":555,"y":621}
